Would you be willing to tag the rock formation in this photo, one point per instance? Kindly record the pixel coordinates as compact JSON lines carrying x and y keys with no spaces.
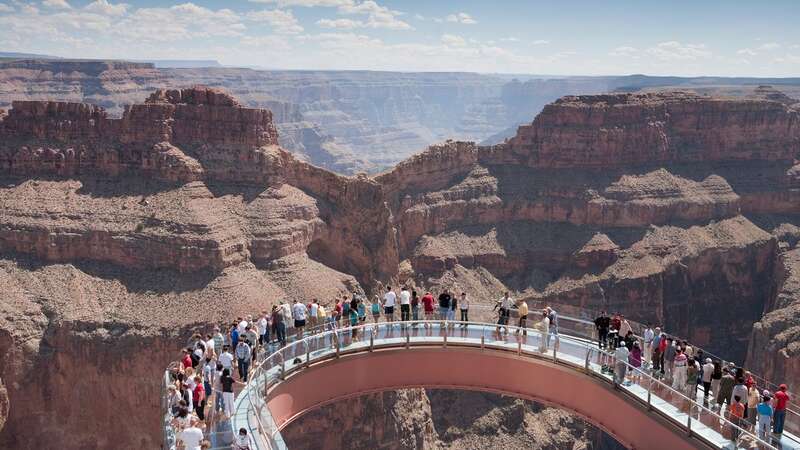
{"x":132,"y":232}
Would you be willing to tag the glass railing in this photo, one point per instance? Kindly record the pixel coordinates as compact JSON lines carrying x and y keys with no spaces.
{"x":573,"y":346}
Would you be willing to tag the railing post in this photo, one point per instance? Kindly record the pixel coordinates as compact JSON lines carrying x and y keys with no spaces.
{"x":555,"y":358}
{"x":483,"y":338}
{"x":519,"y":347}
{"x":586,"y":363}
{"x":308,"y":354}
{"x":445,"y":334}
{"x":283,"y":367}
{"x":408,"y":340}
{"x":372,"y":340}
{"x":336,"y":342}
{"x":649,"y":394}
{"x":689,"y":422}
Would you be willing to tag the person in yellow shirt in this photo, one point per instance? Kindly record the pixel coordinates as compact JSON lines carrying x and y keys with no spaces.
{"x":522,"y":306}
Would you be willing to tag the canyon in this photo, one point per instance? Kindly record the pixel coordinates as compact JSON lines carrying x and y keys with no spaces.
{"x":121,"y":234}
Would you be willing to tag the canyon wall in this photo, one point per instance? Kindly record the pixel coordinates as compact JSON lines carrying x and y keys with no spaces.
{"x":128,"y":233}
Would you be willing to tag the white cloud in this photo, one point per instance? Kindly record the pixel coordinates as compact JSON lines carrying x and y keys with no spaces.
{"x":509,"y":39}
{"x":5,"y":8}
{"x":453,"y":40}
{"x":462,"y":18}
{"x":345,"y":24}
{"x":625,"y":52}
{"x":106,"y":8}
{"x":540,"y":42}
{"x":419,"y":17}
{"x":186,"y":21}
{"x":746,"y":51}
{"x":282,"y":21}
{"x":306,"y":3}
{"x":676,"y":51}
{"x":769,"y":46}
{"x":57,"y":4}
{"x":272,"y":42}
{"x":377,"y":16}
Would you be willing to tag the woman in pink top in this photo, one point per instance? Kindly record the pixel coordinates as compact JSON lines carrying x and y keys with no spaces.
{"x":635,"y":360}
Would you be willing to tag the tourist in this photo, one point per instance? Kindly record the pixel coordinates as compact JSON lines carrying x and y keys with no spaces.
{"x":345,"y":317}
{"x":226,"y":358}
{"x":173,"y":399}
{"x":504,"y":306}
{"x":219,"y":404}
{"x":199,"y":397}
{"x":736,"y":411}
{"x":211,"y":349}
{"x":656,"y":351}
{"x":522,"y":307}
{"x":679,"y":364}
{"x":648,"y":335}
{"x":252,"y":340}
{"x":376,"y":309}
{"x":405,"y":304}
{"x":708,"y":371}
{"x":427,"y":307}
{"x":353,"y":321}
{"x":242,"y":441}
{"x":243,"y":355}
{"x":354,"y":304}
{"x":362,"y":311}
{"x":553,"y":315}
{"x":602,"y":323}
{"x":313,"y":312}
{"x":336,"y":314}
{"x":692,"y":377}
{"x":208,"y":376}
{"x":186,"y":359}
{"x":616,"y":323}
{"x":451,"y":313}
{"x":725,"y":389}
{"x":234,"y":334}
{"x":781,"y":401}
{"x":740,"y":390}
{"x":621,"y":357}
{"x":414,"y":306}
{"x":187,"y":395}
{"x":463,"y":307}
{"x":288,"y":317}
{"x":765,"y":414}
{"x":263,"y":329}
{"x":183,"y":417}
{"x":753,"y":399}
{"x":625,"y":329}
{"x":191,"y":437}
{"x":389,"y":301}
{"x":226,"y":380}
{"x":279,"y":325}
{"x":635,"y":361}
{"x":322,"y":317}
{"x":544,"y":329}
{"x":299,"y":314}
{"x":444,"y":304}
{"x":669,"y":359}
{"x":219,"y":340}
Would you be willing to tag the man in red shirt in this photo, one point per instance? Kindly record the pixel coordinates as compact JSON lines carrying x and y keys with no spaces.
{"x":186,"y":360}
{"x":427,"y":306}
{"x":781,"y":401}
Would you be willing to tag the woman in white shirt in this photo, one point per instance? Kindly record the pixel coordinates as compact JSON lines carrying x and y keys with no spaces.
{"x":544,"y":328}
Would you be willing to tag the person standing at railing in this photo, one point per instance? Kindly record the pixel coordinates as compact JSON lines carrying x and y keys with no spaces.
{"x":362,"y":311}
{"x":405,"y":304}
{"x":463,"y":306}
{"x":781,"y":401}
{"x":669,"y":360}
{"x":621,"y":357}
{"x":389,"y":302}
{"x":635,"y":360}
{"x":736,"y":416}
{"x":602,"y":323}
{"x":725,"y":390}
{"x":504,"y":304}
{"x":451,"y":313}
{"x":648,"y":335}
{"x":219,"y":340}
{"x":765,"y":413}
{"x":279,"y":325}
{"x":753,"y":398}
{"x":414,"y":306}
{"x":692,"y":377}
{"x":522,"y":307}
{"x":313,"y":311}
{"x":679,"y":364}
{"x":553,"y":315}
{"x":544,"y":328}
{"x":708,"y":371}
{"x":658,"y":341}
{"x":616,"y":323}
{"x":263,"y":330}
{"x":444,"y":304}
{"x":376,"y":309}
{"x":427,"y":307}
{"x":299,"y":314}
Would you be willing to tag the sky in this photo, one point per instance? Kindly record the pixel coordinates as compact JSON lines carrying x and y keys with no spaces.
{"x":566,"y":37}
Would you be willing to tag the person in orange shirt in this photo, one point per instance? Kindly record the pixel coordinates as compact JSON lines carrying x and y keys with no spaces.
{"x":736,"y":415}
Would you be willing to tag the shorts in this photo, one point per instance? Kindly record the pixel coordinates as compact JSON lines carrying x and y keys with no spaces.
{"x":299,"y":323}
{"x":388,"y":310}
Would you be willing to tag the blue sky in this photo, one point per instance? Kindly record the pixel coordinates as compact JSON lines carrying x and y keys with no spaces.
{"x":727,"y":38}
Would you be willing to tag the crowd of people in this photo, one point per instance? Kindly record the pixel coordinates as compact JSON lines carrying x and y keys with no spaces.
{"x":213,"y":364}
{"x":732,"y":391}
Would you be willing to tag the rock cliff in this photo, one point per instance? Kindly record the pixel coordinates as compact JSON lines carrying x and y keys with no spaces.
{"x":133,"y":231}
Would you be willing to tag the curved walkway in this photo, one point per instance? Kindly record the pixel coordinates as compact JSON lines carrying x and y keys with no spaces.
{"x":474,"y":356}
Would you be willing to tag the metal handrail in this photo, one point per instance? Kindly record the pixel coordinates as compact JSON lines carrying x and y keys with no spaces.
{"x":587,"y":346}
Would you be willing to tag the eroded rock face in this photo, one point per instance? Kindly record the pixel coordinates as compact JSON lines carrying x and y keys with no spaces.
{"x":134,"y":232}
